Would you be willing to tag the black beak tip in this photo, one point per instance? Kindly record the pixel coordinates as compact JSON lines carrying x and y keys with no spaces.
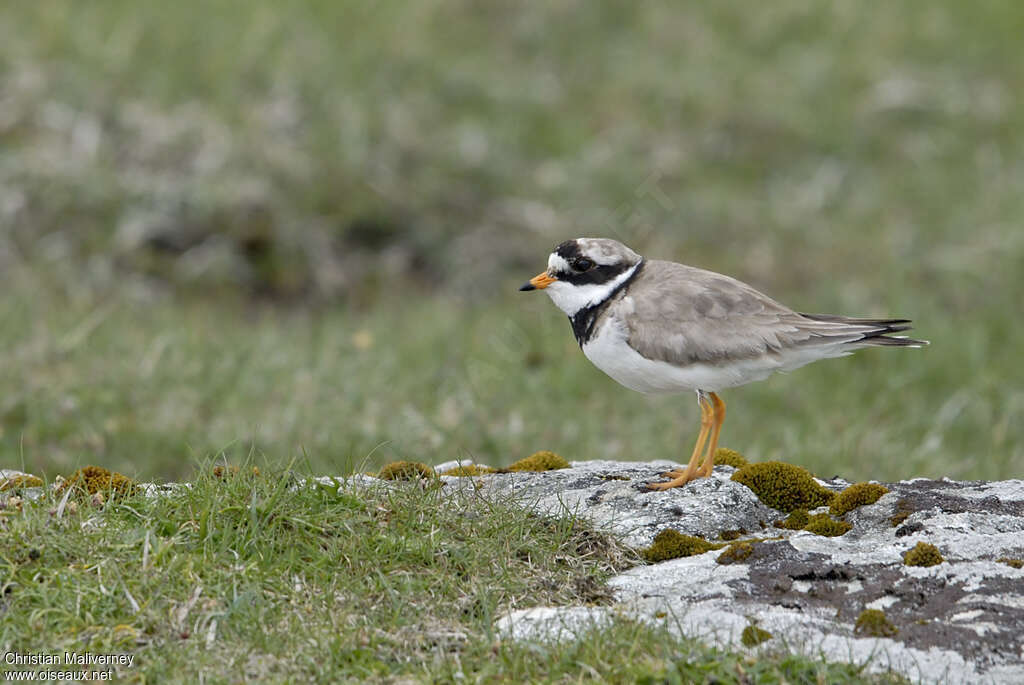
{"x":527,"y":286}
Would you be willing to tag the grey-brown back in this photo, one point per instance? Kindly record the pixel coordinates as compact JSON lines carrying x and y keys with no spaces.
{"x":682,"y":314}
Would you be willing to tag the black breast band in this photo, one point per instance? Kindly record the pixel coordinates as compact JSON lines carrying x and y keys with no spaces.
{"x":584,"y":320}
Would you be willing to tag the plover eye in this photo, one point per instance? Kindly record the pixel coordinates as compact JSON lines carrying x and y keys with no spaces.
{"x":582,"y":264}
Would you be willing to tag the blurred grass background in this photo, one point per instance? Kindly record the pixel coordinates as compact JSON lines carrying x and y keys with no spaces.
{"x":295,"y":230}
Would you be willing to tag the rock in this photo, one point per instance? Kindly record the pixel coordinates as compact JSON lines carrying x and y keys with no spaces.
{"x":552,"y":624}
{"x":611,"y":494}
{"x":957,"y":621}
{"x":19,"y":484}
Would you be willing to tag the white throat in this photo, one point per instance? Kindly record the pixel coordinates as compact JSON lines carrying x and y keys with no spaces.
{"x":573,"y":298}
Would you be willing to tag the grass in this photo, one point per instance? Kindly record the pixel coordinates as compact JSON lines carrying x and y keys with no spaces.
{"x":256,"y":578}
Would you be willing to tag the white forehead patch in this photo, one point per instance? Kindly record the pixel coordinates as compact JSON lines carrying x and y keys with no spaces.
{"x":557,"y":264}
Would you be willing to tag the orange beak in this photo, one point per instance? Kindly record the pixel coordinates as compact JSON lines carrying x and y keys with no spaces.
{"x":539,"y":282}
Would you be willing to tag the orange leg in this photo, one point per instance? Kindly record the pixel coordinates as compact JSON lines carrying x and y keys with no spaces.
{"x":707,"y":424}
{"x":718,"y":412}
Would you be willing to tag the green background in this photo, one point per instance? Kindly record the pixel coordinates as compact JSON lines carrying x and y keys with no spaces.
{"x":295,"y":230}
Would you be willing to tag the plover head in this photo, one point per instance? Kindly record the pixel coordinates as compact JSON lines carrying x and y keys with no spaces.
{"x":584,"y":272}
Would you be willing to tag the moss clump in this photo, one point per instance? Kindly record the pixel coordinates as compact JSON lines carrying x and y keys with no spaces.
{"x":823,"y":524}
{"x":222,"y":472}
{"x":728,"y":457}
{"x":783,"y":486}
{"x":93,"y":479}
{"x":729,"y":535}
{"x":1015,"y":563}
{"x":903,"y":510}
{"x":819,"y":524}
{"x":856,"y":495}
{"x":736,"y":552}
{"x":405,"y":470}
{"x":671,"y":544}
{"x":875,"y":623}
{"x":796,"y":520}
{"x":545,"y":460}
{"x":468,"y":470}
{"x":753,"y":636}
{"x":923,"y":554}
{"x":23,"y":480}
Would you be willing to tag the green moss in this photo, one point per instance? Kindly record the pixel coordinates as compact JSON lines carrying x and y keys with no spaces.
{"x":783,"y":486}
{"x":93,"y":479}
{"x":903,"y":510}
{"x":232,"y":471}
{"x":753,"y":636}
{"x":875,"y":623}
{"x":728,"y":457}
{"x":923,"y":554}
{"x":469,"y":470}
{"x":1015,"y":563}
{"x":405,"y":470}
{"x":736,"y":552}
{"x":545,"y":460}
{"x":23,"y":480}
{"x":819,"y":524}
{"x":856,"y":495}
{"x":796,"y":520}
{"x":729,"y":535}
{"x":823,"y":524}
{"x":671,"y":544}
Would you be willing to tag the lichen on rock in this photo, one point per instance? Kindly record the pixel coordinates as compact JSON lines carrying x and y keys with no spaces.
{"x":923,"y":554}
{"x":857,"y":495}
{"x":784,"y":486}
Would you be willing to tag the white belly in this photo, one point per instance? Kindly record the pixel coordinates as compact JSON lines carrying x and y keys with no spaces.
{"x":609,"y":351}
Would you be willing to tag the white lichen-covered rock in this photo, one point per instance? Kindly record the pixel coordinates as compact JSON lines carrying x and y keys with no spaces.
{"x":959,"y":621}
{"x":612,"y":496}
{"x":12,"y":485}
{"x":552,"y":624}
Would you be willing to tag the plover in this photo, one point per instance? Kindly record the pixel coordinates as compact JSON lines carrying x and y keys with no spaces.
{"x":660,"y":327}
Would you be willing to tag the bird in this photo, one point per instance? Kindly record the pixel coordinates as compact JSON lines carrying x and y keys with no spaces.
{"x":659,"y":327}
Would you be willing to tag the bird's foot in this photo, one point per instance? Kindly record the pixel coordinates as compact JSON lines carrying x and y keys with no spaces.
{"x":679,"y":478}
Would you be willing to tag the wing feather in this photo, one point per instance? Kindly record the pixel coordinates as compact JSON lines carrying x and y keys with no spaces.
{"x":688,"y":315}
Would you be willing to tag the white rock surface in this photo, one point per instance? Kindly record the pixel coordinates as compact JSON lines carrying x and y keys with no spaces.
{"x":961,"y":621}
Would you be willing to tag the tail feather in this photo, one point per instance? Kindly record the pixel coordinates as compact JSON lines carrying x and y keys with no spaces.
{"x":873,"y":331}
